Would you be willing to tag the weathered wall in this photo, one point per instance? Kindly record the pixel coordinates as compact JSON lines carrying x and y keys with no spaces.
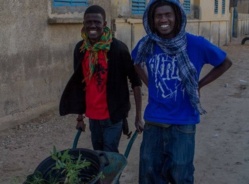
{"x":207,"y":10}
{"x":122,"y":8}
{"x":215,"y":31}
{"x":129,"y":31}
{"x":243,"y":25}
{"x":243,"y":18}
{"x":35,"y":59}
{"x":243,"y":6}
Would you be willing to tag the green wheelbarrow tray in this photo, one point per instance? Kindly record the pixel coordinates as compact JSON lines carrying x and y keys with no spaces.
{"x":117,"y":161}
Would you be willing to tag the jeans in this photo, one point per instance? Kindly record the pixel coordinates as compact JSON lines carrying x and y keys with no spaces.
{"x":167,"y":154}
{"x":105,"y":135}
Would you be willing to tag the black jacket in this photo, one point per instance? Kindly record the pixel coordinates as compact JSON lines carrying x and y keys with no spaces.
{"x":120,"y":69}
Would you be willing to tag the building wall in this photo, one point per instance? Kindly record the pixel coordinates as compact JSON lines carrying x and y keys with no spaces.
{"x":207,"y":10}
{"x":243,"y":25}
{"x":243,"y":18}
{"x":243,"y":6}
{"x":35,"y":59}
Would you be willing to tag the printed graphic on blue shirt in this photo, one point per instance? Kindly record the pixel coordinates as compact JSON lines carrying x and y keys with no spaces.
{"x":164,"y":75}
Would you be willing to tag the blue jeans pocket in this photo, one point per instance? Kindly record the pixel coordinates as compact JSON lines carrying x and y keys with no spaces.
{"x":187,"y":129}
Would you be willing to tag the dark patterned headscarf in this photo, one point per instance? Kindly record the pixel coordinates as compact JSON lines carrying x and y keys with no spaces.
{"x":173,"y":46}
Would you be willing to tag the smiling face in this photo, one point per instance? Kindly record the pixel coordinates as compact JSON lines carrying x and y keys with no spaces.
{"x":94,"y":25}
{"x":164,"y":21}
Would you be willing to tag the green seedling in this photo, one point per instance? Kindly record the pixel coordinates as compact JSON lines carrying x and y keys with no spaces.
{"x":69,"y":165}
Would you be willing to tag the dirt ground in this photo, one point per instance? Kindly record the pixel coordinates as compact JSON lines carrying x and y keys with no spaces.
{"x":222,"y":139}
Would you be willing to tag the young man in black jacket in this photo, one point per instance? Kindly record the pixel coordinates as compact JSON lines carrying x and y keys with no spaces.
{"x":98,"y":88}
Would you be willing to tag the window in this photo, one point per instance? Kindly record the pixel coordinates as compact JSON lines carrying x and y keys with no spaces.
{"x":58,"y":3}
{"x":186,"y":6}
{"x":138,"y":7}
{"x":66,"y":11}
{"x":215,"y":6}
{"x":223,"y":7}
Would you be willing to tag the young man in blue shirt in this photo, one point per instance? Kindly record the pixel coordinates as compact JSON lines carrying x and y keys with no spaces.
{"x":174,"y":59}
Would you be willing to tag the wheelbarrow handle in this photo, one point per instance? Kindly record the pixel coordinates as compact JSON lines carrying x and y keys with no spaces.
{"x":128,"y":148}
{"x":76,"y":139}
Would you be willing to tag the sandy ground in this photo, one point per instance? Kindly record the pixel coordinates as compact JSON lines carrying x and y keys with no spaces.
{"x":222,"y":139}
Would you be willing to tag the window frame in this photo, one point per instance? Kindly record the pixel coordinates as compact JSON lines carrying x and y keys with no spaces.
{"x":70,"y":3}
{"x":187,"y":6}
{"x":138,"y":7}
{"x":216,"y":7}
{"x":66,"y":13}
{"x":223,"y":7}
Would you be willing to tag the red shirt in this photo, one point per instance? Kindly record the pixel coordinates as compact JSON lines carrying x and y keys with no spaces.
{"x":96,"y":102}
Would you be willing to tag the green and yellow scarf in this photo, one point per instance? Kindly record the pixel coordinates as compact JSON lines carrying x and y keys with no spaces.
{"x":103,"y":44}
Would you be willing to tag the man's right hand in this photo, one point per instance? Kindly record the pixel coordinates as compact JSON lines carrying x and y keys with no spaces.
{"x":80,"y":123}
{"x":81,"y":126}
{"x":139,"y":124}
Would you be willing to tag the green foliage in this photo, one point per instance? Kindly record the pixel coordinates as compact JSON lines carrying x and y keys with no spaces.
{"x":35,"y":178}
{"x":69,"y":165}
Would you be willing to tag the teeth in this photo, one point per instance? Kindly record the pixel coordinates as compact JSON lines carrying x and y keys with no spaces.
{"x":164,"y":26}
{"x":93,"y":32}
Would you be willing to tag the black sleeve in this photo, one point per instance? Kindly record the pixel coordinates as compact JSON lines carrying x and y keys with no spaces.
{"x":129,"y":67}
{"x":76,"y":58}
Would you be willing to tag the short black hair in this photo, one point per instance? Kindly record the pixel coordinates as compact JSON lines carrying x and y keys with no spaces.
{"x":160,"y":3}
{"x":95,"y":9}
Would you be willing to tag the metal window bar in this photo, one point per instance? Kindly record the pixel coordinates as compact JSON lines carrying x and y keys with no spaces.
{"x":138,"y":7}
{"x":70,"y":2}
{"x":186,"y":6}
{"x":223,"y":6}
{"x":216,"y":6}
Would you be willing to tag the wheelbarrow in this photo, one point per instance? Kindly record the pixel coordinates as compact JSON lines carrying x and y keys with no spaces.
{"x":117,"y":162}
{"x":105,"y":167}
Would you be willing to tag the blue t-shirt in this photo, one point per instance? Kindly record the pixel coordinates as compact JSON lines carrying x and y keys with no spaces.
{"x":168,"y":101}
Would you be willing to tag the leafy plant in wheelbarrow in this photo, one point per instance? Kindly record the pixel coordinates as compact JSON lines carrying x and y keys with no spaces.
{"x":72,"y":166}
